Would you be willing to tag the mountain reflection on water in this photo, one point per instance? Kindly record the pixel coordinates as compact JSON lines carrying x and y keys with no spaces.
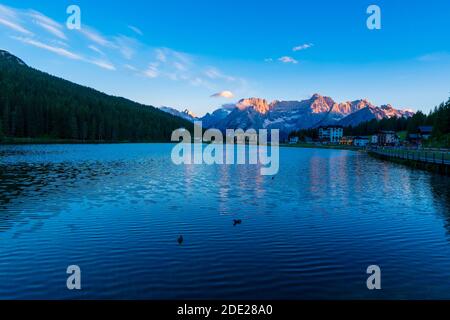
{"x":311,"y":232}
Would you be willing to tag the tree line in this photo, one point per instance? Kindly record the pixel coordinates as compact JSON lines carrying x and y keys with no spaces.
{"x":34,"y":104}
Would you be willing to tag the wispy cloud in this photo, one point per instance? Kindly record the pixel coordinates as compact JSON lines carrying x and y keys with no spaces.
{"x":104,"y":64}
{"x":48,"y":24}
{"x":136,"y":30}
{"x":107,"y":51}
{"x":66,"y":53}
{"x":130,"y":67}
{"x":126,"y":46}
{"x":287,"y":59}
{"x":223,"y":94}
{"x":152,"y":71}
{"x":180,"y":66}
{"x":6,"y":11}
{"x":214,"y":73}
{"x":199,"y":81}
{"x":302,"y":47}
{"x":10,"y":19}
{"x":60,"y":51}
{"x":96,"y":37}
{"x":171,"y":64}
{"x":160,"y":55}
{"x":14,"y":26}
{"x":96,"y":49}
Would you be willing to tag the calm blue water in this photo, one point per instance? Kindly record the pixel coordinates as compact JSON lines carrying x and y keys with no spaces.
{"x":117,"y":210}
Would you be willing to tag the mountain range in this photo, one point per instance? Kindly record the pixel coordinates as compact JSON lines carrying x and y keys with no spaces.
{"x":288,"y":116}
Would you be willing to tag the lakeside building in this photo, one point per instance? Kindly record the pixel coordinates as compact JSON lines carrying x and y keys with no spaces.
{"x":414,"y":139}
{"x":361,"y":141}
{"x":357,"y":141}
{"x":425,"y":132}
{"x":374,"y":139}
{"x":331,"y":134}
{"x":347,"y":140}
{"x":388,"y":138}
{"x":293,"y":140}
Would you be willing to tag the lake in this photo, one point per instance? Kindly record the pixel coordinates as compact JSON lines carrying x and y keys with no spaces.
{"x":116,"y":211}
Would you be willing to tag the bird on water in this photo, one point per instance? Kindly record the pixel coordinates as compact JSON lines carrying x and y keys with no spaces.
{"x":236,"y":222}
{"x":180,"y":240}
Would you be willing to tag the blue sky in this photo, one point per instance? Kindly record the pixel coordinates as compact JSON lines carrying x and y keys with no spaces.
{"x":180,"y":53}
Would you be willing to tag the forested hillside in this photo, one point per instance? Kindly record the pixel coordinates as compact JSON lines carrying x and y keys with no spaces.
{"x":34,"y":104}
{"x":439,"y":119}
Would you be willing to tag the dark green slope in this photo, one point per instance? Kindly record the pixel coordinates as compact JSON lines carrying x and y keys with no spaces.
{"x":34,"y":104}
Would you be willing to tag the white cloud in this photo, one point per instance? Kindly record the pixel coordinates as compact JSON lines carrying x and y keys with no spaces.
{"x":95,"y":49}
{"x":223,"y":94}
{"x":136,"y":30}
{"x":214,"y":73}
{"x":48,"y":24}
{"x":14,"y":26}
{"x":152,"y":71}
{"x":6,"y":11}
{"x":59,"y":43}
{"x":104,"y":64}
{"x":160,"y":55}
{"x":302,"y":47}
{"x":179,"y":66}
{"x":96,"y":37}
{"x":38,"y":30}
{"x":130,"y":67}
{"x":65,"y":53}
{"x":126,"y":46}
{"x":60,"y":51}
{"x":9,"y":17}
{"x":197,"y":81}
{"x":287,"y":59}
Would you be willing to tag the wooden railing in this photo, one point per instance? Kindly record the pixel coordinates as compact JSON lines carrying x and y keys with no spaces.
{"x":437,"y":156}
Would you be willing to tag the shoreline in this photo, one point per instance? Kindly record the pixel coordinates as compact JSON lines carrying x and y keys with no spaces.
{"x":40,"y":141}
{"x":43,"y":141}
{"x":313,"y":146}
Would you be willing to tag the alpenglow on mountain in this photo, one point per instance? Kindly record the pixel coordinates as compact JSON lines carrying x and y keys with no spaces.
{"x":288,"y":116}
{"x":186,"y":114}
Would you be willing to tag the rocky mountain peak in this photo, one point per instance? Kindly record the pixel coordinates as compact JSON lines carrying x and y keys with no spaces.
{"x":6,"y":56}
{"x":189,"y":113}
{"x":321,"y":104}
{"x":258,"y":104}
